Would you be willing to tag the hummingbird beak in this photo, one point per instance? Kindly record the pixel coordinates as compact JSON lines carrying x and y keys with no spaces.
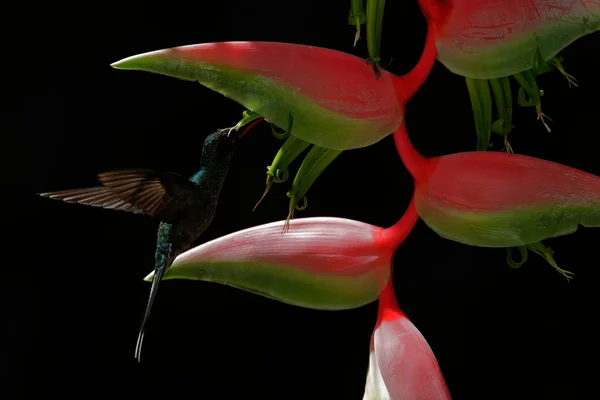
{"x":248,"y":127}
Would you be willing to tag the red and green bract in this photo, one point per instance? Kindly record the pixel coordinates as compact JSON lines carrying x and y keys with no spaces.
{"x":488,"y":41}
{"x":496,"y":38}
{"x":320,"y":263}
{"x":329,"y":264}
{"x":494,"y":199}
{"x":499,"y":199}
{"x":333,"y":97}
{"x":402,"y":366}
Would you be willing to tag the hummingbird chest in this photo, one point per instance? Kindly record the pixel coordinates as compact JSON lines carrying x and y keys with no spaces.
{"x":184,"y":233}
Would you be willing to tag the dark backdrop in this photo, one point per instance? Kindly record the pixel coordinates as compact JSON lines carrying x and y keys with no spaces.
{"x":72,"y":289}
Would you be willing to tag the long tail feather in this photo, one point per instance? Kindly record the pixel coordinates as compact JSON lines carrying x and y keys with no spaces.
{"x":158,"y":275}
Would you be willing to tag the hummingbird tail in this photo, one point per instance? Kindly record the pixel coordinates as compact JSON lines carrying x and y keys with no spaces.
{"x":158,"y":275}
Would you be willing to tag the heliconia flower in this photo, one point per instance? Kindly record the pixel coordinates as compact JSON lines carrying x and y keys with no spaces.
{"x":497,"y":199}
{"x":321,"y":263}
{"x":402,"y":365}
{"x":312,"y":96}
{"x":487,"y":41}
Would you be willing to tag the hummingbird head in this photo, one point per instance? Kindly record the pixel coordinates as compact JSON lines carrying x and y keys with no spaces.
{"x":219,"y":146}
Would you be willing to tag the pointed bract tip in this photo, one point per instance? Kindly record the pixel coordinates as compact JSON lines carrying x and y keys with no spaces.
{"x":137,"y":61}
{"x":125,"y":63}
{"x":149,"y":277}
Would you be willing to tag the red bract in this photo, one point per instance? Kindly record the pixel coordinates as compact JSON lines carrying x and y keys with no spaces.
{"x":333,"y":97}
{"x":402,"y":366}
{"x":321,"y":263}
{"x":490,"y":39}
{"x":494,"y":199}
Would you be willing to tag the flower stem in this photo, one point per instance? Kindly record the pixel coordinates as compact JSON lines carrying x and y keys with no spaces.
{"x":395,"y":234}
{"x":407,"y":85}
{"x":414,"y":162}
{"x":388,"y":305}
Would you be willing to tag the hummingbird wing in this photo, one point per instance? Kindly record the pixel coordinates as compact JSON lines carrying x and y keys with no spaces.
{"x":164,"y":196}
{"x":95,"y":197}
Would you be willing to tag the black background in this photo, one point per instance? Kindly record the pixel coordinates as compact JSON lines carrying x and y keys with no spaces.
{"x":72,"y":291}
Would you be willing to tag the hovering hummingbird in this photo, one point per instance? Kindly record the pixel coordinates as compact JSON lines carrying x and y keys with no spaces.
{"x":184,"y":207}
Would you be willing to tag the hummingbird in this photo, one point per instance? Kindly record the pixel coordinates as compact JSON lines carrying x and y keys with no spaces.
{"x":184,"y":207}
